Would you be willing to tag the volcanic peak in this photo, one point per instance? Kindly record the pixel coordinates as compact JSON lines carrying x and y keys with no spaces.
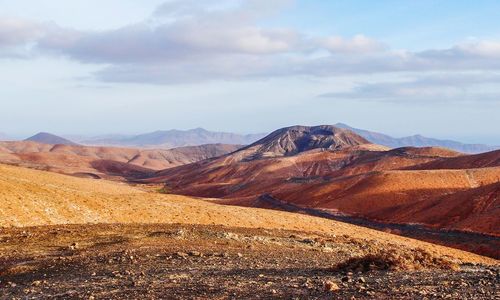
{"x":292,"y":140}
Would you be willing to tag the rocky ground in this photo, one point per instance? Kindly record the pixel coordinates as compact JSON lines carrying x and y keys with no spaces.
{"x":200,"y":262}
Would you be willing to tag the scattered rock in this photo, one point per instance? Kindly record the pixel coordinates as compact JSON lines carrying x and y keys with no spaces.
{"x":331,"y":286}
{"x":36,"y":283}
{"x":308,"y":241}
{"x":195,"y":253}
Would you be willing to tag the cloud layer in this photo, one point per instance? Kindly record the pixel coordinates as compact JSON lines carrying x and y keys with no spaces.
{"x":193,"y":41}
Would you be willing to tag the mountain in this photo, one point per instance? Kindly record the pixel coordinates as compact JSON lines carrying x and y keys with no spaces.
{"x":175,"y":138}
{"x":50,"y":139}
{"x":417,"y":141}
{"x":296,"y":139}
{"x":324,"y":168}
{"x":104,"y":162}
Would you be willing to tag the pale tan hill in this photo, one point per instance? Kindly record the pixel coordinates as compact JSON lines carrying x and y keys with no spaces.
{"x":30,"y":198}
{"x":78,"y":160}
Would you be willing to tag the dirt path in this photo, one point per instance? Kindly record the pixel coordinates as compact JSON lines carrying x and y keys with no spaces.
{"x":470,"y":177}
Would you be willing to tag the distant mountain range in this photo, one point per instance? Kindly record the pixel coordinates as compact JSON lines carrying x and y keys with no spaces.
{"x":174,"y":138}
{"x":167,"y":139}
{"x":417,"y":141}
{"x":4,"y":137}
{"x":48,"y":138}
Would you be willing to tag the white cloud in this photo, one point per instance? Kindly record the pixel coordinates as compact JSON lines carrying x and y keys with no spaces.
{"x":481,"y":48}
{"x":358,"y":44}
{"x":14,"y":32}
{"x":456,"y":87}
{"x":192,"y":41}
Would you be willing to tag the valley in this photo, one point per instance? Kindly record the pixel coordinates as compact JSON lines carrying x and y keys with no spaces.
{"x":314,"y":212}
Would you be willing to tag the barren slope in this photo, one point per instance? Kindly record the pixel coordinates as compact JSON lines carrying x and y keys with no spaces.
{"x":229,"y":176}
{"x":475,"y":209}
{"x":483,"y":160}
{"x":395,"y":196}
{"x":357,"y":180}
{"x":30,"y":197}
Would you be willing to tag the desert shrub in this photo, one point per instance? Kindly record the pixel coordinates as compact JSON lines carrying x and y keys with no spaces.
{"x":164,"y":190}
{"x":392,"y":259}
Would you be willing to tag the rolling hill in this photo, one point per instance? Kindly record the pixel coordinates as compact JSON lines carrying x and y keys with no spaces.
{"x":104,"y":162}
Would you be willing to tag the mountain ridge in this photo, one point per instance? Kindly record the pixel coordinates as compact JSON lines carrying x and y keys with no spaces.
{"x":175,"y":138}
{"x":418,"y":140}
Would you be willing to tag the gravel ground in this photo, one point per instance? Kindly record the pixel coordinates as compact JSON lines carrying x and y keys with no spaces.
{"x":215,"y":262}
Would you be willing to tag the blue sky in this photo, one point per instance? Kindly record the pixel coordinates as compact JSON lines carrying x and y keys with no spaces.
{"x":414,"y":25}
{"x":122,"y":66}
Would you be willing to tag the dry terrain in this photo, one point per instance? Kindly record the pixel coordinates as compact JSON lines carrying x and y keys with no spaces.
{"x":104,"y":162}
{"x":182,"y":261}
{"x":168,"y":246}
{"x":329,"y":169}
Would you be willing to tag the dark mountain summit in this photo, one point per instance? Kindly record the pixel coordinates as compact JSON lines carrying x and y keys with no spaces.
{"x":48,"y":138}
{"x":296,"y":139}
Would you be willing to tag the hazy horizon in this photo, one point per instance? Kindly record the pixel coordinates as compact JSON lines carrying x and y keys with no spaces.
{"x":81,"y":136}
{"x":250,"y":66}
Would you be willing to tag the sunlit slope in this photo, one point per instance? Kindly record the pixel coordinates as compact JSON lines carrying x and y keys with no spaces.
{"x":30,"y":197}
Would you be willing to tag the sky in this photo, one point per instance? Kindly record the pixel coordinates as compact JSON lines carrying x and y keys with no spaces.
{"x":402,"y":67}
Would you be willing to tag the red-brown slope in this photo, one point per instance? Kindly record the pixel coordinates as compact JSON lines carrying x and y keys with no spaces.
{"x":488,"y":159}
{"x":232,"y":176}
{"x":351,"y":180}
{"x":476,"y":209}
{"x":393,"y":196}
